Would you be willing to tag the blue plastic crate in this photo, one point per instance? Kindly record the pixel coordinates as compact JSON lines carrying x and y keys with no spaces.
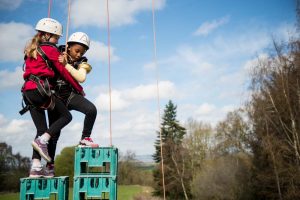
{"x":43,"y":188}
{"x":96,"y":161}
{"x":100,"y":187}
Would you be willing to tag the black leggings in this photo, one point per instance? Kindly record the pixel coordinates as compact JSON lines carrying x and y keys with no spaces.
{"x":81,"y":104}
{"x":39,"y":119}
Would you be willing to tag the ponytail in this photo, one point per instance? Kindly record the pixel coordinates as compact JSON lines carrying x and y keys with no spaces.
{"x":31,"y":48}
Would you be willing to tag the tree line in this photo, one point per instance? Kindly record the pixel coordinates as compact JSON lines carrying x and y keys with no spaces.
{"x":254,"y":153}
{"x":12,"y":168}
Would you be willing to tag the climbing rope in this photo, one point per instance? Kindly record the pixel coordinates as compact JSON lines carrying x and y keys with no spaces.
{"x":68,"y":20}
{"x":68,"y":23}
{"x":109,"y":79}
{"x":158,"y":101}
{"x":49,"y":8}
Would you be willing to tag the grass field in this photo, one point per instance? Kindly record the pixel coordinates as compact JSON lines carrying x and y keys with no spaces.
{"x":125,"y":192}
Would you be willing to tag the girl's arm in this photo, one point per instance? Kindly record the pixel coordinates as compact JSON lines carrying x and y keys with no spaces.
{"x":53,"y":55}
{"x":80,"y":73}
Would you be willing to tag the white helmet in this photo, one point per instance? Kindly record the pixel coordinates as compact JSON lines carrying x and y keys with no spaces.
{"x":80,"y":37}
{"x":49,"y":25}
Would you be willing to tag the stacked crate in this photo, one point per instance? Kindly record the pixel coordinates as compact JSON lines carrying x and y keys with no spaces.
{"x":44,"y":188}
{"x":95,"y":173}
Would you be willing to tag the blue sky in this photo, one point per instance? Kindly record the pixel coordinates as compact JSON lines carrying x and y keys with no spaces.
{"x":204,"y":51}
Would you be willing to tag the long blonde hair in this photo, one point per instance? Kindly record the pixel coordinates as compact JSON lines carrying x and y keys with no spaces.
{"x":31,"y":47}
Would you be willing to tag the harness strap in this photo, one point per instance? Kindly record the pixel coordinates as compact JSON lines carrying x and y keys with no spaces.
{"x":28,"y":104}
{"x":45,"y":90}
{"x":70,"y":97}
{"x":25,"y":107}
{"x":45,"y":58}
{"x":49,"y":105}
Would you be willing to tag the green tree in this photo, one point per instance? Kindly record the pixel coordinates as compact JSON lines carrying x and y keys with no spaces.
{"x":198,"y":143}
{"x":225,"y":173}
{"x":131,"y":172}
{"x":12,"y":168}
{"x":232,"y":134}
{"x":223,"y":178}
{"x":64,"y":163}
{"x":175,"y":157}
{"x":126,"y":168}
{"x":274,"y":111}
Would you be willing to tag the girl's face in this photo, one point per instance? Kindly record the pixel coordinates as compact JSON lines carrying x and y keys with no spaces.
{"x":53,"y":38}
{"x":76,"y":51}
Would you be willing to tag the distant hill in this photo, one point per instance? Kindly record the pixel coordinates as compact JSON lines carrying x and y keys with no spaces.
{"x":147,"y":159}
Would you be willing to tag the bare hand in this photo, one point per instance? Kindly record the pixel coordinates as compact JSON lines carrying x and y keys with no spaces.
{"x":63,"y":58}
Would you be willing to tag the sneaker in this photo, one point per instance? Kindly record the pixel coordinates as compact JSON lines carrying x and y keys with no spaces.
{"x":36,"y":173}
{"x":41,"y":148}
{"x":49,"y":171}
{"x":87,"y":142}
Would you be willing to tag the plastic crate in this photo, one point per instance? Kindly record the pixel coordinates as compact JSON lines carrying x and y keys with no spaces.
{"x":96,"y":161}
{"x":95,"y":187}
{"x":43,"y":188}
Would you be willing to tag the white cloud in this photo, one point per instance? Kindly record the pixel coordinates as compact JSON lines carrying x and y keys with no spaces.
{"x":10,"y":5}
{"x":205,"y":109}
{"x":10,"y":79}
{"x":121,"y":12}
{"x":153,"y":65}
{"x":150,"y":66}
{"x":117,"y":101}
{"x":194,"y":59}
{"x":148,"y":92}
{"x":74,"y":127}
{"x":134,"y":130}
{"x":129,"y":130}
{"x":124,"y":98}
{"x":13,"y":39}
{"x":215,"y":58}
{"x":17,"y":133}
{"x":3,"y":120}
{"x":216,"y":72}
{"x":208,"y":27}
{"x":99,"y":52}
{"x":253,"y":63}
{"x":228,"y":108}
{"x":205,"y":112}
{"x":139,"y":121}
{"x":248,"y":43}
{"x":15,"y":126}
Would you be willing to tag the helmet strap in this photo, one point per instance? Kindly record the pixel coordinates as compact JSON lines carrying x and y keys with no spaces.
{"x":46,"y":37}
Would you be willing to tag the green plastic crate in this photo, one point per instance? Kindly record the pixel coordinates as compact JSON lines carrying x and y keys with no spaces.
{"x":95,"y":187}
{"x":96,"y":161}
{"x":43,"y":188}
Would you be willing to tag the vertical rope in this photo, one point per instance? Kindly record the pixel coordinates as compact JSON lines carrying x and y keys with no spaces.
{"x":158,"y":102}
{"x":109,"y":79}
{"x":49,"y":8}
{"x":68,"y":23}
